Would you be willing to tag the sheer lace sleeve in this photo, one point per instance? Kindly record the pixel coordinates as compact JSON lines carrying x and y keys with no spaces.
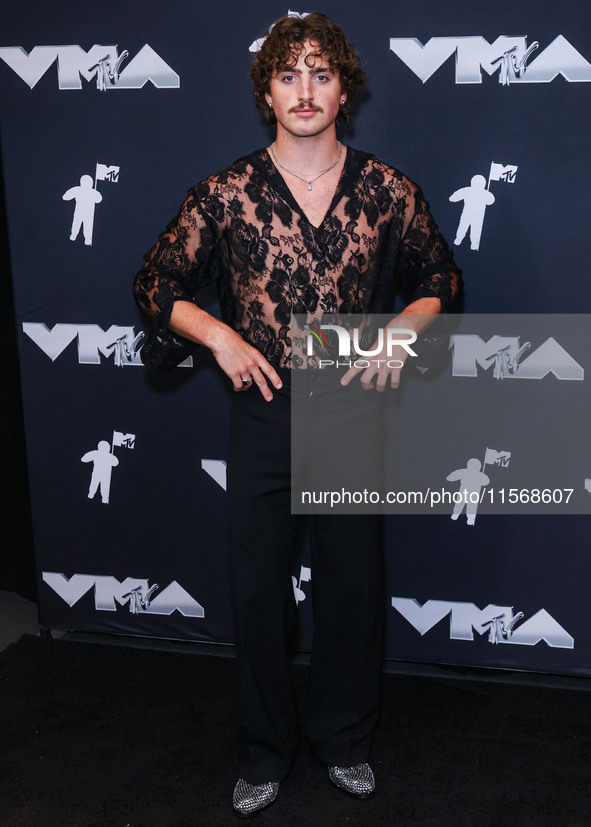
{"x":184,"y":258}
{"x":425,"y":265}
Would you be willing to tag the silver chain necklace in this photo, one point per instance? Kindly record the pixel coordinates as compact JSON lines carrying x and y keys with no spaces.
{"x":306,"y":178}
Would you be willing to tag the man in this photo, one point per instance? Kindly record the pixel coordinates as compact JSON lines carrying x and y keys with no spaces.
{"x":304,"y":226}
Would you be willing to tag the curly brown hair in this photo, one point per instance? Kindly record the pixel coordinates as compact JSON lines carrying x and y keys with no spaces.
{"x":283,"y":46}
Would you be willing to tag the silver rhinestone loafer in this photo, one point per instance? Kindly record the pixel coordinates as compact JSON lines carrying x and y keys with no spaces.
{"x":357,"y":781}
{"x":249,"y":799}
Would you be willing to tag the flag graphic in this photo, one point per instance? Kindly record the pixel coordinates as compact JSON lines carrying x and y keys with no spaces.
{"x":500,"y":458}
{"x":121,"y":440}
{"x":498,"y":172}
{"x":105,"y":173}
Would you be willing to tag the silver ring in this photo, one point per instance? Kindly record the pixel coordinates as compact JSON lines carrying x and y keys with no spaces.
{"x":246,"y":383}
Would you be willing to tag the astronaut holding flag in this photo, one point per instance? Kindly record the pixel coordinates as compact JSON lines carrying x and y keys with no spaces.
{"x":472,"y":479}
{"x":477,"y":197}
{"x":103,"y":461}
{"x":86,"y":197}
{"x":306,"y":576}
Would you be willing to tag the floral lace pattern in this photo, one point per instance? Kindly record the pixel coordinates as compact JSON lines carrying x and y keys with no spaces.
{"x":244,"y":228}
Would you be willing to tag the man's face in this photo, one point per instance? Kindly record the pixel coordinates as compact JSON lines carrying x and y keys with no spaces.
{"x":306,"y":99}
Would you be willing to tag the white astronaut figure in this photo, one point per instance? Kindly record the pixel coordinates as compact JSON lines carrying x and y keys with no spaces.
{"x":476,"y":199}
{"x":471,"y":481}
{"x":86,"y":197}
{"x":103,"y":463}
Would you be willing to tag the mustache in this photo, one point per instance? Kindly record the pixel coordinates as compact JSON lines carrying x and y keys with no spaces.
{"x":306,"y":106}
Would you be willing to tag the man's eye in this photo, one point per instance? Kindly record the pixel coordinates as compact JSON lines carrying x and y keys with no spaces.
{"x":287,"y":78}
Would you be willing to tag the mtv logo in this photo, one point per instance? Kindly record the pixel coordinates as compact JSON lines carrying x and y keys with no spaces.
{"x":508,"y":55}
{"x":120,"y":342}
{"x":105,"y":173}
{"x":100,"y":62}
{"x":496,"y":621}
{"x":109,"y":591}
{"x":504,"y":355}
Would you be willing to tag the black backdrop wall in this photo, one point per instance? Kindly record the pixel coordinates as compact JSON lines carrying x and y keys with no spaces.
{"x":126,"y":469}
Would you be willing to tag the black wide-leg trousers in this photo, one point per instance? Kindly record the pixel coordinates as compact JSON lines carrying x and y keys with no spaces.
{"x":346,"y":562}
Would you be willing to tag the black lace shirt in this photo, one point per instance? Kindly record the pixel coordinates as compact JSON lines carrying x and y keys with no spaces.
{"x":244,"y":228}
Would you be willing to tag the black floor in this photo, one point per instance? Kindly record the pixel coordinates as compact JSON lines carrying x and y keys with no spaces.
{"x":18,"y":616}
{"x":112,"y":735}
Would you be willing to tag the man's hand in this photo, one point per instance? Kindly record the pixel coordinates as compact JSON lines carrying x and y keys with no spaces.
{"x":241,"y":362}
{"x":384,"y":368}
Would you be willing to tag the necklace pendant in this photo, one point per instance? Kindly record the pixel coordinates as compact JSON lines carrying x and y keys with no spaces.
{"x":309,"y":186}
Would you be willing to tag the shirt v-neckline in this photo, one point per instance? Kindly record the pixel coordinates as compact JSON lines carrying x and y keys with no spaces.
{"x":279,"y":183}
